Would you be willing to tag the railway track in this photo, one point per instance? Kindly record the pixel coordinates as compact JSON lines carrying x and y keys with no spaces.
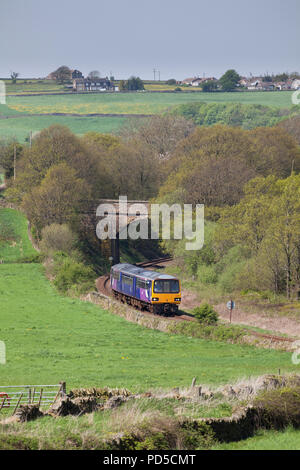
{"x":102,"y":284}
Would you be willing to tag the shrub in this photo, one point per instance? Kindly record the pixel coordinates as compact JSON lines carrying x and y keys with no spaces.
{"x":207,"y":274}
{"x":57,"y":237}
{"x":73,"y":274}
{"x":206,"y":314}
{"x":279,"y":408}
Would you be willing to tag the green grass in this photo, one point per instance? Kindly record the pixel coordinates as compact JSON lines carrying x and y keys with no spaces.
{"x":33,"y":86}
{"x":7,"y":111}
{"x":267,"y":440}
{"x":20,"y":128}
{"x":138,"y":103}
{"x":51,"y":338}
{"x":18,"y":245}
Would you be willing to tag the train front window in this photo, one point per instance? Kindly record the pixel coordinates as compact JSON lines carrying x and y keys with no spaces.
{"x":166,"y":287}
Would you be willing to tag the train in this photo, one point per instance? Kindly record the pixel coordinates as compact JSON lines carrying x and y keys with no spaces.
{"x":147,"y":290}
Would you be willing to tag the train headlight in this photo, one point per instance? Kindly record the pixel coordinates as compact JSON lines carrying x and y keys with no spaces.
{"x":178,"y":299}
{"x":155,"y":299}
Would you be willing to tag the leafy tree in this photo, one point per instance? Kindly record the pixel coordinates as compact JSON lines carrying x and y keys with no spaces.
{"x":229,"y":80}
{"x":132,"y":84}
{"x":58,"y":199}
{"x":209,"y":86}
{"x":292,"y":127}
{"x":7,"y":152}
{"x":171,"y":81}
{"x":232,"y":114}
{"x":281,"y":77}
{"x":63,"y":74}
{"x":267,"y":221}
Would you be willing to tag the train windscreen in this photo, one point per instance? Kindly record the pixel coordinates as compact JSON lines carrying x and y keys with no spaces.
{"x":170,"y":286}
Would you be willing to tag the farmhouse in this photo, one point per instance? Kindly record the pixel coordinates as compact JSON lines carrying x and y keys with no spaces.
{"x":196,"y":81}
{"x":92,"y":84}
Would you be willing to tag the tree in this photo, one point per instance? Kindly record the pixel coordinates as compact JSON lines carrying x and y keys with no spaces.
{"x":160,"y":133}
{"x":171,"y":81}
{"x":275,"y":152}
{"x":94,"y":74}
{"x":292,"y":127}
{"x":132,"y":84}
{"x":229,"y":80}
{"x":267,"y":222}
{"x":52,"y":146}
{"x":62,"y":75}
{"x":209,"y":86}
{"x":57,"y":237}
{"x":8,"y":151}
{"x":281,"y":77}
{"x":59,"y":198}
{"x":14,"y":76}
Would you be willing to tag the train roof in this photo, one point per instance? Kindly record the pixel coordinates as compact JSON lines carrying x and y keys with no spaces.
{"x":132,"y":270}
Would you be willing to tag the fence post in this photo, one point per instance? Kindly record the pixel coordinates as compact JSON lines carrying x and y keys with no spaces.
{"x":63,"y":389}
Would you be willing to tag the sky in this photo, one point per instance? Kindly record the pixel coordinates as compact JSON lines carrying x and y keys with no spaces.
{"x":180,"y":39}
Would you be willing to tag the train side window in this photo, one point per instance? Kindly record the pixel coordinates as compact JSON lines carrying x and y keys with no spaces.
{"x":116,"y":275}
{"x":141,"y":284}
{"x":127,"y":280}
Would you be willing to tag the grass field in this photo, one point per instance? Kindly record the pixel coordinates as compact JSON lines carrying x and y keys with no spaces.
{"x":50,"y":338}
{"x":110,"y":103}
{"x":20,"y":128}
{"x":267,"y":440}
{"x":18,"y":246}
{"x":137,"y":103}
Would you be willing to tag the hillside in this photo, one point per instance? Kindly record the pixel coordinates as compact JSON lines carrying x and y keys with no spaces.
{"x":54,"y":337}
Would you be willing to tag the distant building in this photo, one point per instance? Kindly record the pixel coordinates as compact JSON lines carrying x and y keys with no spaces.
{"x":197,"y":81}
{"x":188,"y":81}
{"x":93,"y":84}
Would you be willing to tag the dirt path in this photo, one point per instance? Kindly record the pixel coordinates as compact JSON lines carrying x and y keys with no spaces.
{"x":276,"y":323}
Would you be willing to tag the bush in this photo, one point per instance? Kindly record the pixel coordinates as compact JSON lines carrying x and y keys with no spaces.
{"x":279,"y":408}
{"x":207,"y":274}
{"x":72,"y":274}
{"x":57,"y":237}
{"x":206,"y":314}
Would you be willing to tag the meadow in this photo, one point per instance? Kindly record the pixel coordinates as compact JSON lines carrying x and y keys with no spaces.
{"x":14,"y":241}
{"x":25,"y":108}
{"x":50,"y":338}
{"x":21,"y":127}
{"x":266,"y":440}
{"x":137,"y":102}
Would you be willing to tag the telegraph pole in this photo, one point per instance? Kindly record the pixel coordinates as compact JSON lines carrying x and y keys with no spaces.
{"x":154,"y":71}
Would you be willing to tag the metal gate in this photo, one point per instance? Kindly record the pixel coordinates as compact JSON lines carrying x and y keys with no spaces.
{"x":12,"y":396}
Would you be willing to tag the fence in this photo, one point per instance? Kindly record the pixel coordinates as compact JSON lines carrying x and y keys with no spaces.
{"x":13,"y":396}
